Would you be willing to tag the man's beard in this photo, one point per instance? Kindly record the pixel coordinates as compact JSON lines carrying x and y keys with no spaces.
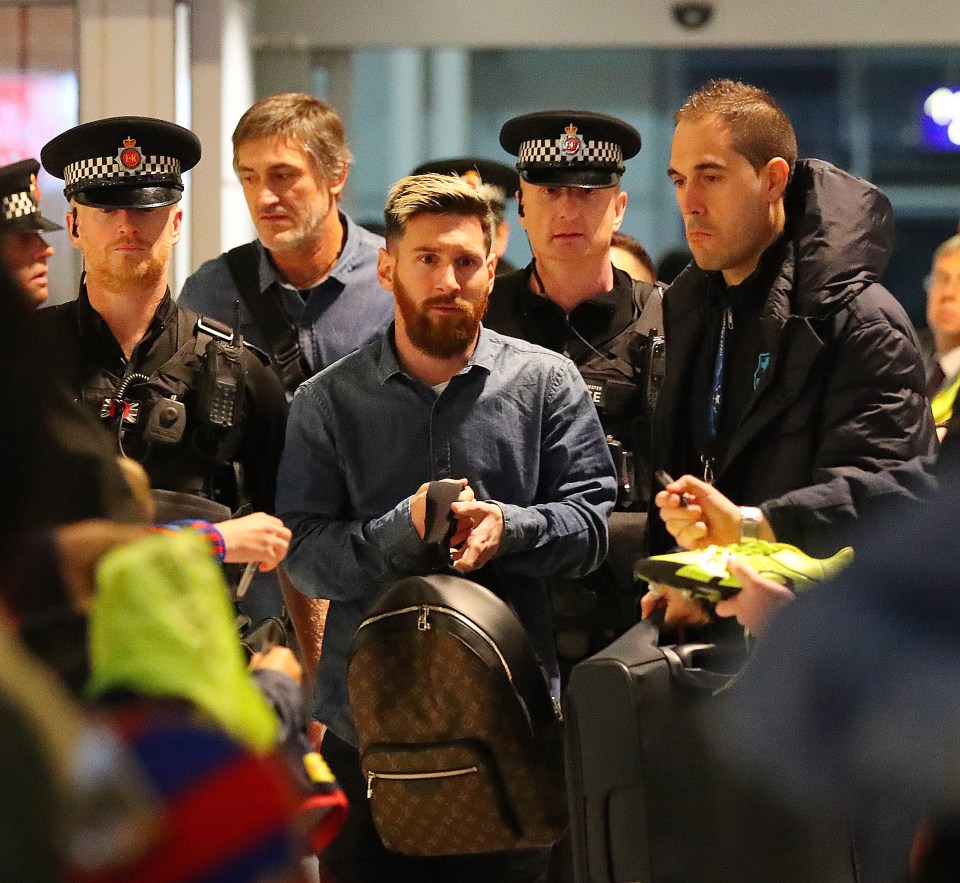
{"x":306,"y":234}
{"x":149,"y":270}
{"x":439,"y":336}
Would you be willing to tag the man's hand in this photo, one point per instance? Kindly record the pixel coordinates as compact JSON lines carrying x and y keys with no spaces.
{"x":479,"y":527}
{"x":279,"y":659}
{"x":758,"y":599}
{"x":478,"y":536}
{"x":680,"y":609}
{"x":697,"y":515}
{"x":257,"y":537}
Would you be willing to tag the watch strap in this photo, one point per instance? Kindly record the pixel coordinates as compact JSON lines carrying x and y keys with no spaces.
{"x":750,"y":518}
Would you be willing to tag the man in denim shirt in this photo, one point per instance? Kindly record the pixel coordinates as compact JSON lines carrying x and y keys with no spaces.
{"x":437,"y":397}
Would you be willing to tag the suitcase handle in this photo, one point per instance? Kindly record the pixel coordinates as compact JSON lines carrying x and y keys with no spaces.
{"x":703,"y":666}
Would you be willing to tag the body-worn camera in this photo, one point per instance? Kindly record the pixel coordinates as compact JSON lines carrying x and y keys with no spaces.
{"x":166,"y":421}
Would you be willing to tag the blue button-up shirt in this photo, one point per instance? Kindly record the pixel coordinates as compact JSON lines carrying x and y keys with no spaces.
{"x":346,"y":311}
{"x":517,"y":421}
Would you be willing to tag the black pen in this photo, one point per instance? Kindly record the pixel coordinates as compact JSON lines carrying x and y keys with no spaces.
{"x":664,"y":478}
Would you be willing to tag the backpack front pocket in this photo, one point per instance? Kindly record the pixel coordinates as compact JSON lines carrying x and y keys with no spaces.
{"x":438,"y":799}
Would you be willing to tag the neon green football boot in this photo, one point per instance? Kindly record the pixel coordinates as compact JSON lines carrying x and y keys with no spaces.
{"x":704,"y":574}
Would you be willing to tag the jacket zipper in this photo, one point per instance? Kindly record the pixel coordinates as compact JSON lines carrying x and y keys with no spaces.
{"x":402,"y":777}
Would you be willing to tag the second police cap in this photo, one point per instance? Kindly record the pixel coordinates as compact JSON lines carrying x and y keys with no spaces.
{"x":122,"y":162}
{"x":570,"y":148}
{"x":495,"y":181}
{"x":20,"y":199}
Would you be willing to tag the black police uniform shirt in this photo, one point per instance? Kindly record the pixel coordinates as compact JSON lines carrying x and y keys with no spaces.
{"x":589,"y":335}
{"x":85,"y":354}
{"x":517,"y":311}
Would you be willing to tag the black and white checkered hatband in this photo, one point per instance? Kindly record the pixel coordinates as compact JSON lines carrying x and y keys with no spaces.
{"x":105,"y":170}
{"x":547,"y":151}
{"x":14,"y":206}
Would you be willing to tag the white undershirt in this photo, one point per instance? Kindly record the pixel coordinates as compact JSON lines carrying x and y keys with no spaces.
{"x":950,"y":363}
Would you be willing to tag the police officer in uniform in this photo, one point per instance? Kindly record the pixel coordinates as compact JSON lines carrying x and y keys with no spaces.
{"x":494,"y":181}
{"x":23,"y":251}
{"x":571,"y":299}
{"x":181,"y":394}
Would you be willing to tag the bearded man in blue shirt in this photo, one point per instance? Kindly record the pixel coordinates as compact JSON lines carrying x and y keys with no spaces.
{"x":438,"y":396}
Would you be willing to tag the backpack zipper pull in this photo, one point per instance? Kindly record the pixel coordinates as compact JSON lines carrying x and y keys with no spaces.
{"x":370,"y":777}
{"x":422,"y":622}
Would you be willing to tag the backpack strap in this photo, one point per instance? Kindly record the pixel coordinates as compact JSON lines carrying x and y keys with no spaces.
{"x":283,"y":343}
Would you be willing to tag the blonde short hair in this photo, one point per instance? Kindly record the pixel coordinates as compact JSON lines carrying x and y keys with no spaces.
{"x":951,"y":246}
{"x":435,"y":195}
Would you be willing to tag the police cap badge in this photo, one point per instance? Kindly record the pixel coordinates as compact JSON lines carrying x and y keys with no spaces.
{"x":123,"y":162}
{"x":570,"y":148}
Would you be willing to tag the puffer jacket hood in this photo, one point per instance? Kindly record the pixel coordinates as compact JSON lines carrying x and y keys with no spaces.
{"x":841,"y":230}
{"x":162,"y":626}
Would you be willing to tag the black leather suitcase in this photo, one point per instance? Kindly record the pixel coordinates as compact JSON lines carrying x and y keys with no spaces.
{"x":650,"y":802}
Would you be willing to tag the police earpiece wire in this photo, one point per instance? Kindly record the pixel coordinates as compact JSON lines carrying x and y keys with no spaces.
{"x":119,"y":397}
{"x":568,"y":323}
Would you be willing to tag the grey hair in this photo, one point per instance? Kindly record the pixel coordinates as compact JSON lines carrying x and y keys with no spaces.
{"x":313,"y":124}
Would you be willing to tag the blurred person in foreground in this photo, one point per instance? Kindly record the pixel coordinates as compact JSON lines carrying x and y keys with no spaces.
{"x":850,"y":700}
{"x":66,"y":782}
{"x":168,"y":675}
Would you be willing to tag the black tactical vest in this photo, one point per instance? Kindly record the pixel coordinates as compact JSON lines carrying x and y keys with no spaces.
{"x":624,"y":379}
{"x":157,"y":420}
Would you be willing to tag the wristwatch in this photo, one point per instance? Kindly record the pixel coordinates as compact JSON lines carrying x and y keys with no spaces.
{"x":750,"y":518}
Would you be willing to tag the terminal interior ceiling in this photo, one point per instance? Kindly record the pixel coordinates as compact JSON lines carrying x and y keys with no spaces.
{"x":861,"y":108}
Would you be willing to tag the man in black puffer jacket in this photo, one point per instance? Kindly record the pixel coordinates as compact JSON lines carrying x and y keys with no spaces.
{"x":793,"y":379}
{"x":794,"y":389}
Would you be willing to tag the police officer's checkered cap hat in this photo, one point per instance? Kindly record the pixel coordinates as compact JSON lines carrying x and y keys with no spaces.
{"x":20,"y":199}
{"x":570,"y":148}
{"x":499,"y":182}
{"x":123,"y":162}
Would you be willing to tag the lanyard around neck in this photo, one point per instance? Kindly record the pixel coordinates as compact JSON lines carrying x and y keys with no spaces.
{"x":715,"y":406}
